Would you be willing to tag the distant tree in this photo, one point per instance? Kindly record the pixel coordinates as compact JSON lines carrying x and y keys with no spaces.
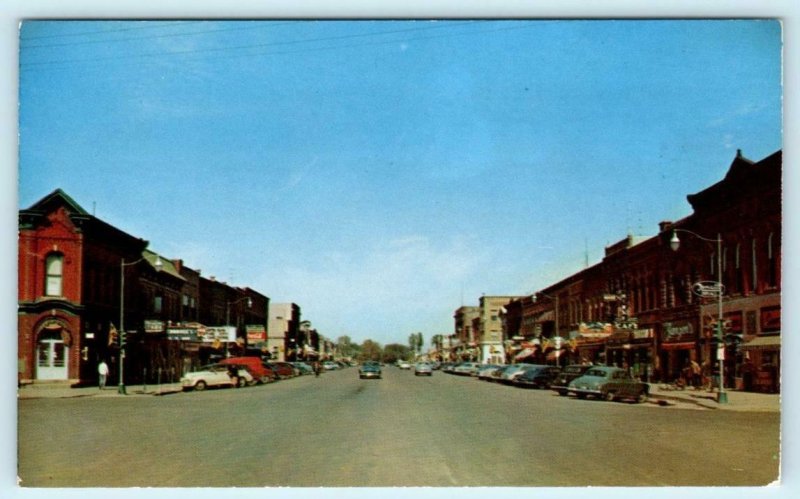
{"x":395,"y":351}
{"x":370,"y":350}
{"x":415,"y":341}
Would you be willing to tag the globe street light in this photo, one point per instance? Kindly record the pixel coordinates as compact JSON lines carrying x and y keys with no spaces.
{"x":158,"y":264}
{"x":675,"y":243}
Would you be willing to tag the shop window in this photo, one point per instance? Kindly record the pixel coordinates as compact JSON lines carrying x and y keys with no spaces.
{"x":54,"y":268}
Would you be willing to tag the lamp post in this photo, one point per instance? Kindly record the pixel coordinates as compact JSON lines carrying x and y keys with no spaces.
{"x":674,"y":243}
{"x":158,"y":265}
{"x":228,"y":316}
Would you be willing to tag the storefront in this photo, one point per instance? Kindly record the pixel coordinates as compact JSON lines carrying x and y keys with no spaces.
{"x":632,"y":350}
{"x":760,"y":371}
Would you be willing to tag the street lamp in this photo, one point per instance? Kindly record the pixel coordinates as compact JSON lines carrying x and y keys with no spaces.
{"x":674,"y":243}
{"x":228,"y":316}
{"x":158,"y":265}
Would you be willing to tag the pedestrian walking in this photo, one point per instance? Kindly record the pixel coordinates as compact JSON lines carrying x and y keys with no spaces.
{"x":697,"y":374}
{"x":102,"y":372}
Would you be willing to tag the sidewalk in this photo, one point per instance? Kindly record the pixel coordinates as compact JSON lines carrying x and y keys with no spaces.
{"x":737,"y":401}
{"x":64,"y":390}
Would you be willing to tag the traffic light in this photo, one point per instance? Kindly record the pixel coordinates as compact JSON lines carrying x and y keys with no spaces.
{"x":122,"y":339}
{"x":112,"y":335}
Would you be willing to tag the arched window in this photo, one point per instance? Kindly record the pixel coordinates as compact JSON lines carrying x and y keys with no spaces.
{"x":54,"y":275}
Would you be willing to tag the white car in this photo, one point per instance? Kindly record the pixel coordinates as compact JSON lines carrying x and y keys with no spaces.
{"x":514,"y":371}
{"x":404,"y":365}
{"x":216,"y":375}
{"x":423,"y":369}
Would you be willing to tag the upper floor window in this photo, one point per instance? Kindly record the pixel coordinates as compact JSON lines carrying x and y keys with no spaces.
{"x":157,"y":304}
{"x":772,"y":261}
{"x":54,"y":271}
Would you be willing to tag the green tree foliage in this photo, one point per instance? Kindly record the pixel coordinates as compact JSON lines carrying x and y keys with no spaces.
{"x":395,"y":351}
{"x":415,"y":341}
{"x":370,"y":350}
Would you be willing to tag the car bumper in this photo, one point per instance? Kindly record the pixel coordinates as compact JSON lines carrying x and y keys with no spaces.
{"x":594,"y":392}
{"x":369,"y":375}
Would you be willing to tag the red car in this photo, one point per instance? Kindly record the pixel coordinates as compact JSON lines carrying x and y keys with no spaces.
{"x":261,"y":373}
{"x":282,"y":369}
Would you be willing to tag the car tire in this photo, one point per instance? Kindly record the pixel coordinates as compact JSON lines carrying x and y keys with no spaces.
{"x":581,"y":395}
{"x":641,"y":398}
{"x":563,"y":393}
{"x":241,"y":382}
{"x":200,"y":386}
{"x":608,"y":396}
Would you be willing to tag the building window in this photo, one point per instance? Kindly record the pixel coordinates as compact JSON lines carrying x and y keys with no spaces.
{"x":54,"y":271}
{"x":772,"y":261}
{"x":738,"y":281}
{"x":755,"y":267}
{"x":157,"y":304}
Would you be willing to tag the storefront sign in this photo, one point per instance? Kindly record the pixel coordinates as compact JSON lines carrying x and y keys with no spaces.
{"x":674,"y":331}
{"x":182,"y":333}
{"x":153,"y":326}
{"x":222,"y":333}
{"x":256,"y":333}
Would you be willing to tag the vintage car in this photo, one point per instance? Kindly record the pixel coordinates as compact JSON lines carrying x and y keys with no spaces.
{"x":369,"y":369}
{"x":216,"y":375}
{"x":514,"y":371}
{"x":423,"y":369}
{"x":259,"y":371}
{"x":541,"y":377}
{"x":609,"y":383}
{"x":567,"y":374}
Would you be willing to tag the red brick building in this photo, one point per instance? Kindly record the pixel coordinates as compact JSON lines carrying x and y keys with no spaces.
{"x":71,"y":271}
{"x":638,"y":306}
{"x":69,"y":279}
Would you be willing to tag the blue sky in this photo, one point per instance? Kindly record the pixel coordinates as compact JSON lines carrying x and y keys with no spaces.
{"x":381,"y":174}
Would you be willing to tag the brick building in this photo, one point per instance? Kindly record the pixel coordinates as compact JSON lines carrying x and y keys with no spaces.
{"x":72,"y":271}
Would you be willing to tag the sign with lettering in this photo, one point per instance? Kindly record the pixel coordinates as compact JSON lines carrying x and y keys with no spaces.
{"x":182,"y":333}
{"x":221,"y":333}
{"x":256,"y":333}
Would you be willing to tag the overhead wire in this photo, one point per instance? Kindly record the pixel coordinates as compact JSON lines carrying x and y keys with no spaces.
{"x":146,"y":37}
{"x":37,"y":65}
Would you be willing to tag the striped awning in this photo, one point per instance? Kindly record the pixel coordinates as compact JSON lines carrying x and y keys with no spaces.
{"x":524,"y":353}
{"x":772,"y":342}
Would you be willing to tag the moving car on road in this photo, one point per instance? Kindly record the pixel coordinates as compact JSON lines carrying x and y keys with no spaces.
{"x":402,"y":364}
{"x":216,"y":375}
{"x":423,"y":369}
{"x":609,"y":383}
{"x":370,"y":369}
{"x":561,"y":383}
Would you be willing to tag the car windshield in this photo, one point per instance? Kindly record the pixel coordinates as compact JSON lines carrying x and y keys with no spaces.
{"x":600,"y":373}
{"x":573,"y":370}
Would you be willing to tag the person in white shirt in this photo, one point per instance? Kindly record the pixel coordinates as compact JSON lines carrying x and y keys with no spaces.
{"x":102,"y":370}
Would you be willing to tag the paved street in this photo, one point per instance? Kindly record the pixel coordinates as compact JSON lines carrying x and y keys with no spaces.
{"x":402,"y":430}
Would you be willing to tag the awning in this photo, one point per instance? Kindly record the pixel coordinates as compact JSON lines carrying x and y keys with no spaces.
{"x":685,"y":345}
{"x":524,"y":353}
{"x":762,"y":343}
{"x":554,"y":355}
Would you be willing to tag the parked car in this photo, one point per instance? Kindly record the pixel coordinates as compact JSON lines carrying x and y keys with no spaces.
{"x":466,"y":368}
{"x":330,"y":365}
{"x":423,"y":369}
{"x":302,"y":368}
{"x":609,"y":383}
{"x":370,"y":369}
{"x":282,"y":369}
{"x":216,"y":375}
{"x":514,"y":371}
{"x":486,"y":370}
{"x":259,"y":372}
{"x":541,"y":377}
{"x":561,"y":383}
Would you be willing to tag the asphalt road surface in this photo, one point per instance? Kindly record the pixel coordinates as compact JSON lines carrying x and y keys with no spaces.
{"x":402,"y":430}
